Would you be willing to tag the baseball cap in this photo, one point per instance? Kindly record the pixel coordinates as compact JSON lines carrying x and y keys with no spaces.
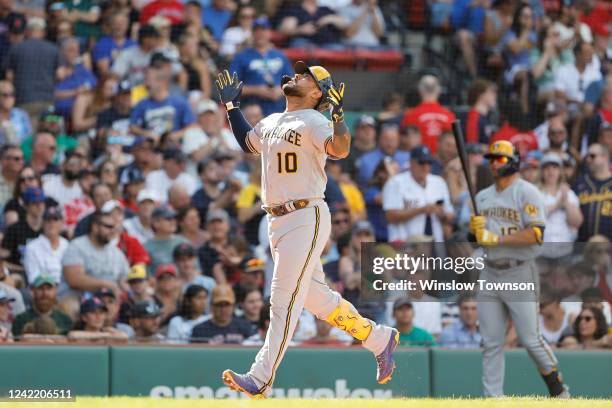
{"x":532,"y":159}
{"x":144,"y":195}
{"x":222,"y":154}
{"x":362,"y":226}
{"x":33,"y":195}
{"x":91,"y":305}
{"x":44,"y":280}
{"x":222,"y":293}
{"x":366,"y":120}
{"x":4,"y":297}
{"x":50,"y":115}
{"x":53,"y":214}
{"x":100,"y":293}
{"x":183,"y":250}
{"x":217,"y":214}
{"x":261,"y":22}
{"x":174,"y":154}
{"x":16,"y":23}
{"x":253,"y":265}
{"x":401,"y":302}
{"x":421,"y":154}
{"x":158,"y":59}
{"x":601,"y":30}
{"x":163,"y":212}
{"x":110,"y":206}
{"x":137,"y":272}
{"x":146,"y":308}
{"x":122,"y":87}
{"x":159,"y":22}
{"x":206,"y":106}
{"x":139,"y":140}
{"x":147,"y":31}
{"x":165,"y":268}
{"x":36,"y":23}
{"x":551,"y":158}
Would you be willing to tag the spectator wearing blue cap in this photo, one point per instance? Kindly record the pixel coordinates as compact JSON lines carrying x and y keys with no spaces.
{"x":44,"y":293}
{"x":6,"y":318}
{"x":145,"y":319}
{"x":92,"y":323}
{"x":114,"y":122}
{"x":18,"y":234}
{"x":144,"y":158}
{"x":261,"y":68}
{"x":417,"y":202}
{"x":43,"y":255}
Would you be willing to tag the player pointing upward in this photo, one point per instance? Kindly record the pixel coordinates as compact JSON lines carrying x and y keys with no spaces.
{"x":294,"y":146}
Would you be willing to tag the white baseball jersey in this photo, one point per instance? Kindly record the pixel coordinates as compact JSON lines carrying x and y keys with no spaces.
{"x":292,"y":145}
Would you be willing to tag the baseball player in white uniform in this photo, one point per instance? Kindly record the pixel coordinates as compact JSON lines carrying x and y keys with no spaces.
{"x":294,"y":146}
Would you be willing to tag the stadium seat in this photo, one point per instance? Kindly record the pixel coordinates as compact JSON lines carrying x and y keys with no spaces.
{"x":343,"y":59}
{"x":297,"y":54}
{"x":389,"y":61}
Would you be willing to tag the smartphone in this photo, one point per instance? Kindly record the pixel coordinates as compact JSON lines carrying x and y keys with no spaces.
{"x":439,"y":202}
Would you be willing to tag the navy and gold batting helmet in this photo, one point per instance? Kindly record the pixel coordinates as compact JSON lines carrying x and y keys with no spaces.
{"x":323,"y":79}
{"x":505,"y":149}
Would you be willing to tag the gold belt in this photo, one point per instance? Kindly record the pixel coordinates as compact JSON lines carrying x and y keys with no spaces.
{"x":286,"y":208}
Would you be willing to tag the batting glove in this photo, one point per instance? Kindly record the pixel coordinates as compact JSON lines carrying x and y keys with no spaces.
{"x":229,"y":89}
{"x":485,"y":237}
{"x":477,"y":222}
{"x":336,"y":97}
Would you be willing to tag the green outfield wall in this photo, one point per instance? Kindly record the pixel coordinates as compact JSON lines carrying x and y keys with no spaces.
{"x":194,"y":372}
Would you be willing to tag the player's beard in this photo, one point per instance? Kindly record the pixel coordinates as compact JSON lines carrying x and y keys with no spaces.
{"x":291,"y":89}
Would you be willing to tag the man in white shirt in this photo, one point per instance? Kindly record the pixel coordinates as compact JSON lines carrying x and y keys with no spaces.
{"x":43,"y":255}
{"x":572,"y":80}
{"x":140,"y":226}
{"x":417,"y":202}
{"x":367,"y":23}
{"x":172,"y":172}
{"x":65,"y":188}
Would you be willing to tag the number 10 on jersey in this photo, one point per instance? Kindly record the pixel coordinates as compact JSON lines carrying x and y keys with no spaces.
{"x":287,"y":162}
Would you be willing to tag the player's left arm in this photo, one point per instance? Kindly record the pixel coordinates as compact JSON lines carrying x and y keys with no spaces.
{"x":533,"y":215}
{"x":338,"y":146}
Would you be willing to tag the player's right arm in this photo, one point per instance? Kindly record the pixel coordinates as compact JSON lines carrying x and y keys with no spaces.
{"x":229,"y":89}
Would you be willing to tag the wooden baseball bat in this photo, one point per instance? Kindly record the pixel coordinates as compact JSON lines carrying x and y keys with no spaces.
{"x":459,"y":138}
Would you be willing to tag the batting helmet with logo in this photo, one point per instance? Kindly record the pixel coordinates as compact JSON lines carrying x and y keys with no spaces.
{"x":323,"y":79}
{"x":503,"y":148}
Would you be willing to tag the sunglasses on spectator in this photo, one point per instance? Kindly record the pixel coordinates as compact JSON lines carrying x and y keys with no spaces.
{"x":7,"y":94}
{"x":14,"y":158}
{"x":28,"y":178}
{"x":341,"y":221}
{"x":247,"y":16}
{"x":586,"y":318}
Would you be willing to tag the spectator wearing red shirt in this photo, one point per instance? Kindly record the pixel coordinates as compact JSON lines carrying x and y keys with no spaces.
{"x":515,"y":131}
{"x":130,"y":246}
{"x":429,"y":117}
{"x":482,"y":98}
{"x":596,"y":13}
{"x":170,"y":9}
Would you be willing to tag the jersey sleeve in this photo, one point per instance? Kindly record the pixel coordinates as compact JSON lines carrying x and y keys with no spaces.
{"x":322,"y":133}
{"x":253,"y":139}
{"x":532,"y":208}
{"x":392,"y":200}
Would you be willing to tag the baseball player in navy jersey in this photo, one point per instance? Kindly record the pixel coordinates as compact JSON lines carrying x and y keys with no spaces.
{"x":510,"y":229}
{"x":294,"y":146}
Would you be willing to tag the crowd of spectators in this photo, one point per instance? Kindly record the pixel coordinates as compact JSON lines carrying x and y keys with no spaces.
{"x":130,"y":213}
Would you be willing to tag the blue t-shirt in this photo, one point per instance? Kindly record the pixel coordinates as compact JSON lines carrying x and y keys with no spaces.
{"x":522,"y":58}
{"x":107,"y":48}
{"x":255,"y":69}
{"x":216,"y":20}
{"x":466,"y":17}
{"x":376,"y":214}
{"x":80,"y":76}
{"x":168,"y":115}
{"x":368,"y":162}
